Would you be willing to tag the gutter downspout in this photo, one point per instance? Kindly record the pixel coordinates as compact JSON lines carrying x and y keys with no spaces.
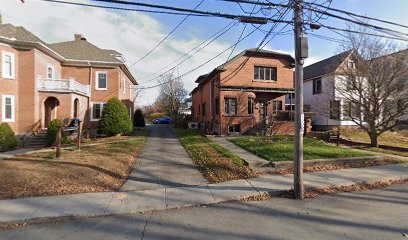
{"x":89,"y":98}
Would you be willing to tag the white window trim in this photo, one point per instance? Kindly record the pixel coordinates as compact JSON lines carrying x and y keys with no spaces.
{"x":97,"y":81}
{"x":91,"y":108}
{"x":13,"y":108}
{"x":53,"y":71}
{"x":13,"y":64}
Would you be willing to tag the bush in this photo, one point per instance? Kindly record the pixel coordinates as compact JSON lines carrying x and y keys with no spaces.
{"x":7,"y":138}
{"x":138,"y":119}
{"x":115,"y":118}
{"x":52,"y":131}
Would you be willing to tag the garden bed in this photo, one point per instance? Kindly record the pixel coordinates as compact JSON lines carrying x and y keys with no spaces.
{"x":216,"y":163}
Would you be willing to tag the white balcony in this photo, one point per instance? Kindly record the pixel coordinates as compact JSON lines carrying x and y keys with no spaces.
{"x":62,"y":85}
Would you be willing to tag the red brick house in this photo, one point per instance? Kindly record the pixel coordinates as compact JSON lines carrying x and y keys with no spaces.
{"x":41,"y":82}
{"x":246,"y":94}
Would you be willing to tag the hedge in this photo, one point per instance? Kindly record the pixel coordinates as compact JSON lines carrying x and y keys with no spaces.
{"x":138,"y":119}
{"x":7,"y":137}
{"x":52,"y":131}
{"x":115,"y":118}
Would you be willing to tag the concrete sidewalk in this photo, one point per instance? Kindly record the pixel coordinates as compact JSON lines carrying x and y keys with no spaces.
{"x":39,"y":209}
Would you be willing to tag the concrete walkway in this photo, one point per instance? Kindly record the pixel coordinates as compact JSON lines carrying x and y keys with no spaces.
{"x":256,"y":163}
{"x":102,"y":204}
{"x":163,"y":163}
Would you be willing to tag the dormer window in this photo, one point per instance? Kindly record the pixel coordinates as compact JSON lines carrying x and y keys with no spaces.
{"x":351,"y":65}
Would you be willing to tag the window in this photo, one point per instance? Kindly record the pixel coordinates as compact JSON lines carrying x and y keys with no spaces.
{"x":203,"y":112}
{"x":335,"y":109}
{"x":217,"y":106}
{"x":351,"y":65}
{"x":265,"y":73}
{"x":8,"y":65}
{"x":250,"y":105}
{"x":97,"y":109}
{"x":101,"y":81}
{"x":234,"y":128}
{"x":50,"y":71}
{"x":350,"y":83}
{"x":8,"y":108}
{"x":317,"y":86}
{"x":230,"y":106}
{"x":277,"y":106}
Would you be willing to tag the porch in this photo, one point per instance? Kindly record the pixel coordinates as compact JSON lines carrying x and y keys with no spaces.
{"x":62,"y":85}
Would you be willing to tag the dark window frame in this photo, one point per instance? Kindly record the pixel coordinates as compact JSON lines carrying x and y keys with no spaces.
{"x":317,"y":88}
{"x":251,"y":105}
{"x":227,"y":109}
{"x":335,"y":113}
{"x":263,"y":73}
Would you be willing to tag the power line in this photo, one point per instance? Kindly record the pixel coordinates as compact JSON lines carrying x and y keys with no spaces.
{"x":364,"y":33}
{"x":359,"y":15}
{"x":194,"y":69}
{"x":191,"y":50}
{"x":168,"y":35}
{"x":219,"y":35}
{"x":214,"y":14}
{"x":124,"y":9}
{"x":355,"y":22}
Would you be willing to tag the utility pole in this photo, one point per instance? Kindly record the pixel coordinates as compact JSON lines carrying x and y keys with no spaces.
{"x":300,"y":55}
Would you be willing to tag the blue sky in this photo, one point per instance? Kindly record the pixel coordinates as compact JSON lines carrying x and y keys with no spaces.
{"x":134,"y":34}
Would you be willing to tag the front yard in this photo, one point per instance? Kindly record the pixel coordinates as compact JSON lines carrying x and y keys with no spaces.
{"x":398,"y":139}
{"x":216,"y":163}
{"x":281,"y":148}
{"x":97,"y":168}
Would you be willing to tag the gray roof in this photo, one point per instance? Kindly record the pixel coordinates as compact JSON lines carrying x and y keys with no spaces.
{"x":84,"y":50}
{"x":326,"y":66}
{"x":18,"y":33}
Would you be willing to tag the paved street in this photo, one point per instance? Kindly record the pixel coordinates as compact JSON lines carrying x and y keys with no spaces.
{"x":375,"y":214}
{"x":162,"y":163}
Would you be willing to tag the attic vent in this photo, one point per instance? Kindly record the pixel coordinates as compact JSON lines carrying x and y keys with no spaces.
{"x":79,"y":37}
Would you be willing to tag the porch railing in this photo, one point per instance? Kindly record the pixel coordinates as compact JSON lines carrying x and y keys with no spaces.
{"x":63,"y":85}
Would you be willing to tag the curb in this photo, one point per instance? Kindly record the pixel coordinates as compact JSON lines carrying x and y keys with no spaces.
{"x":324,"y":162}
{"x":253,"y":197}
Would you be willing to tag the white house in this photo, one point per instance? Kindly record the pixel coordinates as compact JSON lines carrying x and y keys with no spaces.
{"x":320,"y":95}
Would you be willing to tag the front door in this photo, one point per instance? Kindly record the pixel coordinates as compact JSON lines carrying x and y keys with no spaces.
{"x":263,"y":110}
{"x":50,"y":106}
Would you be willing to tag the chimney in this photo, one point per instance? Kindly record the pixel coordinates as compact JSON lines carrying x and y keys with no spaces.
{"x":79,"y":37}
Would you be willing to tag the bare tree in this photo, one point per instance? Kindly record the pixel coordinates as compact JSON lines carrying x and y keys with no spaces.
{"x":373,"y":84}
{"x":171,"y":95}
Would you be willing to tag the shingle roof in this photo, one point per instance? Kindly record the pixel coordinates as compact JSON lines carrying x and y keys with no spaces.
{"x":325,"y":66}
{"x":18,"y":33}
{"x":84,"y":50}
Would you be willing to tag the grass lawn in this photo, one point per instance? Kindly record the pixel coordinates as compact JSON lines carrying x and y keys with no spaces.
{"x":93,"y":169}
{"x":281,"y":148}
{"x":216,"y":163}
{"x":397,"y":138}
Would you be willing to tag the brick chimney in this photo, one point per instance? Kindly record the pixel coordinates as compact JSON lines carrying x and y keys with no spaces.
{"x":79,"y":37}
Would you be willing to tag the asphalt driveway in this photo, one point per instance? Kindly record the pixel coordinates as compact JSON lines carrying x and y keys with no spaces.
{"x":163,"y":163}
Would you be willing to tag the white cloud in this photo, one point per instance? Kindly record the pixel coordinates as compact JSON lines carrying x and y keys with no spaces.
{"x":132,"y":34}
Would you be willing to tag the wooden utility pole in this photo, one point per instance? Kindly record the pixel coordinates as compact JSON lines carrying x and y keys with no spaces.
{"x":300,"y":55}
{"x":58,"y":148}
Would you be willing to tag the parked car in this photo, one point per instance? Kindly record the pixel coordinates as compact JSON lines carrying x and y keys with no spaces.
{"x":163,"y":120}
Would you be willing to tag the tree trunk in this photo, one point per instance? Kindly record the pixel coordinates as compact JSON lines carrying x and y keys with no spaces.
{"x":374,"y":140}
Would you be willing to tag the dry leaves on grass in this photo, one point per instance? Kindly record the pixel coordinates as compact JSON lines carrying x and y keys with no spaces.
{"x":94,"y":169}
